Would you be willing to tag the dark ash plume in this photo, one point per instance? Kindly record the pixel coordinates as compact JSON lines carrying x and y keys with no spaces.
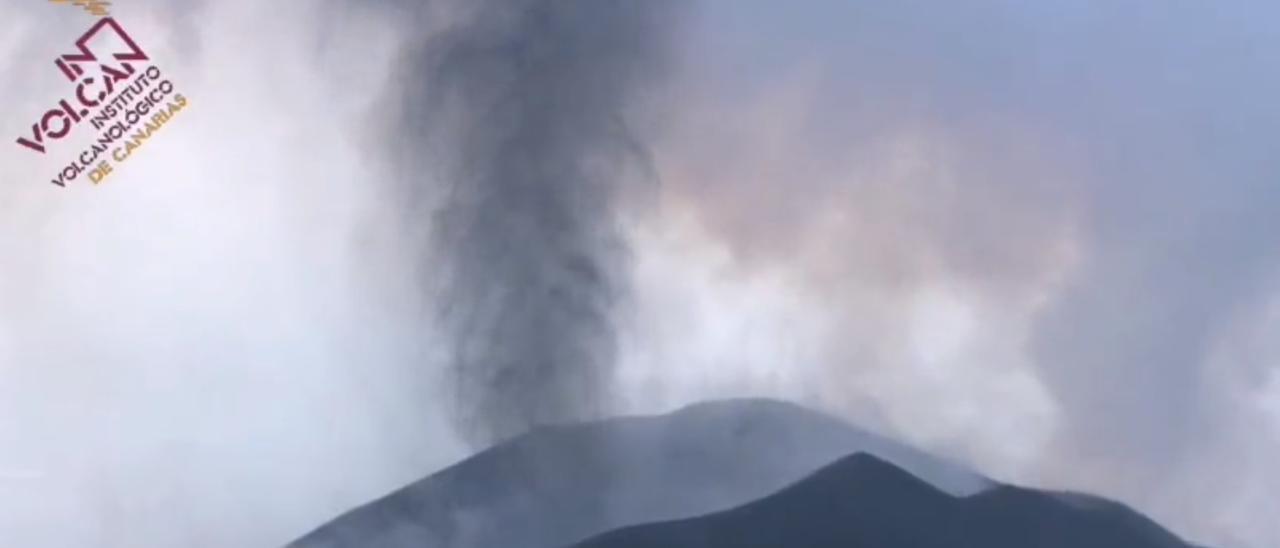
{"x":522,"y":106}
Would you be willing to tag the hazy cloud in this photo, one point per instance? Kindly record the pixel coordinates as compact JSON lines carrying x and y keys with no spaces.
{"x":1037,"y":237}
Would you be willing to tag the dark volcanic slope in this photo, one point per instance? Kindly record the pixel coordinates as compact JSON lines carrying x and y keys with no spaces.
{"x":862,"y":501}
{"x":557,"y":486}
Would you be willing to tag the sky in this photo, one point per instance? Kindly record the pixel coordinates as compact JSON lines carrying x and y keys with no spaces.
{"x":1040,"y":239}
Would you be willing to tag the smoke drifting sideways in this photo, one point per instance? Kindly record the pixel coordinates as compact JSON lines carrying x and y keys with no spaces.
{"x":1074,"y":204}
{"x":521,"y":110}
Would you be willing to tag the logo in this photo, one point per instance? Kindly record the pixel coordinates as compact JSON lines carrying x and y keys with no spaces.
{"x":116,"y":90}
{"x":58,"y":121}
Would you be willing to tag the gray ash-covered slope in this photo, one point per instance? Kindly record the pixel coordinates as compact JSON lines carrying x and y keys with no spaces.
{"x":862,"y":501}
{"x":559,"y":485}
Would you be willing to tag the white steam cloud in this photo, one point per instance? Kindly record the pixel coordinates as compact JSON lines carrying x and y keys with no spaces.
{"x":1042,"y":239}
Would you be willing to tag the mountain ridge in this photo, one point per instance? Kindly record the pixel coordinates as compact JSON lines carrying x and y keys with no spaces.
{"x":861,"y":500}
{"x":560,"y":484}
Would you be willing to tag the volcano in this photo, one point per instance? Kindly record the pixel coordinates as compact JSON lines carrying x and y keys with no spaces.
{"x":864,"y":501}
{"x":559,"y":485}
